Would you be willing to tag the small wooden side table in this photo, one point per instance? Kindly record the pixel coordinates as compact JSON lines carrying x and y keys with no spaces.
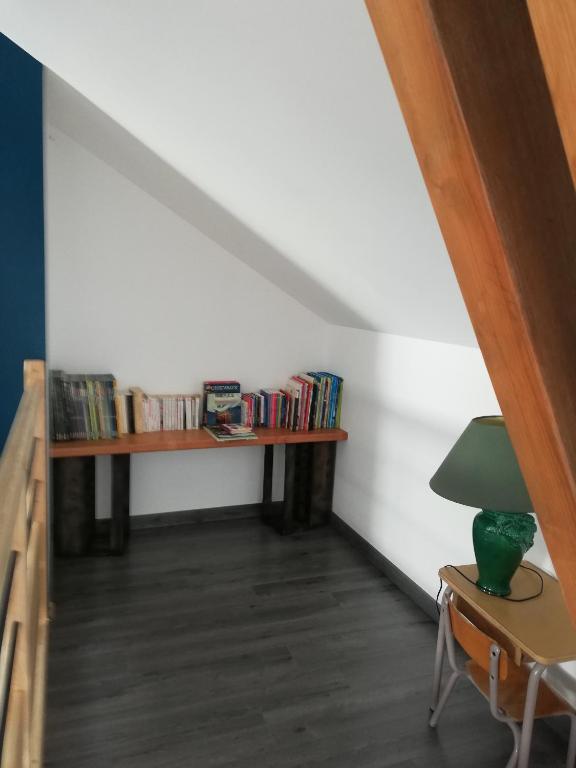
{"x":538,"y":630}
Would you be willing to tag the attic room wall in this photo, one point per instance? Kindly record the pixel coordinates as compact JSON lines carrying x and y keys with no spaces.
{"x":135,"y":290}
{"x":406,"y":402}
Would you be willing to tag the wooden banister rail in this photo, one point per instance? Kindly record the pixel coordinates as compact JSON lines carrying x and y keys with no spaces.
{"x":23,"y":577}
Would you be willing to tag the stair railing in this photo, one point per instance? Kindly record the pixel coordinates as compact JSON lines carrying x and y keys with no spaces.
{"x":23,"y":578}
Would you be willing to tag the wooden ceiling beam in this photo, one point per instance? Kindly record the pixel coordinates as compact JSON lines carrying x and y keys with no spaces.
{"x":554,"y":23}
{"x":471,"y":85}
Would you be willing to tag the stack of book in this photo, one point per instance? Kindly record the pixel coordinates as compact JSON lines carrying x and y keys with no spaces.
{"x":82,"y":406}
{"x":165,"y":413}
{"x":267,"y":408}
{"x":309,"y":401}
{"x":316,"y":400}
{"x":124,"y":412}
{"x":88,"y":406}
{"x":225,"y":432}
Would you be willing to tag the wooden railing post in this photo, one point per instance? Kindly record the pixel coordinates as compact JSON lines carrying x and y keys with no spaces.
{"x":18,"y":614}
{"x":35,"y":376}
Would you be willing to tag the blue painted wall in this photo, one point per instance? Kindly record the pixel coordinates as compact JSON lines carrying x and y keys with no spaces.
{"x":22,"y":323}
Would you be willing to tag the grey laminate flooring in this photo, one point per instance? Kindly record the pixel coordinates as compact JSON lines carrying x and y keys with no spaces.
{"x":225,"y":645}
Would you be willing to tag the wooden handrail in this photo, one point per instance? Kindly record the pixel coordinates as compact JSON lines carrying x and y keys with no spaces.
{"x":23,"y":577}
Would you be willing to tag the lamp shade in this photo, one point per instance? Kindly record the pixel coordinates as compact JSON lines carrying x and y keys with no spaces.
{"x":482,"y":471}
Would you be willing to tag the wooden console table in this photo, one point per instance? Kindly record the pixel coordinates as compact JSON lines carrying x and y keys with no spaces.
{"x":308,"y":474}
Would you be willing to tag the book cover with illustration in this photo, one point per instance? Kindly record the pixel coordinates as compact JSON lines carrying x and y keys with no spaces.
{"x":226,"y":432}
{"x":222,"y":403}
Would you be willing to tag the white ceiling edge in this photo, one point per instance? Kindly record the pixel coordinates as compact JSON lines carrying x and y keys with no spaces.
{"x":73,"y":114}
{"x":82,"y":121}
{"x":275,"y":129}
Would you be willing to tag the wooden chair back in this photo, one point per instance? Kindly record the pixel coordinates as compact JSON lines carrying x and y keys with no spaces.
{"x":476,"y":643}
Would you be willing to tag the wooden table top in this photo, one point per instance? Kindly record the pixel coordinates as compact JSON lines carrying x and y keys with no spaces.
{"x":541,"y":627}
{"x":186,"y":440}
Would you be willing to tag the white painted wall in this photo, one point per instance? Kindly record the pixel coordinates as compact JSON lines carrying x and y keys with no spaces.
{"x":406,"y":403}
{"x":135,"y":290}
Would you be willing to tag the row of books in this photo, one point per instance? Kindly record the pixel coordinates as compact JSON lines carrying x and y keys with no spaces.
{"x":317,"y":400}
{"x":309,"y":401}
{"x":90,"y":407}
{"x":82,"y":406}
{"x":167,"y":413}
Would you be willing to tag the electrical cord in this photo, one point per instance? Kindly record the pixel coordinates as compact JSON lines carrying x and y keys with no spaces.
{"x":438,"y":597}
{"x":510,"y":599}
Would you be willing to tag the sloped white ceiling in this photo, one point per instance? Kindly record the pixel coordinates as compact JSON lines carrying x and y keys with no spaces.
{"x":273,"y":122}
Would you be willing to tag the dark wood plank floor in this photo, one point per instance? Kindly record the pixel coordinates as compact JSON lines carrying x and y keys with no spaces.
{"x":225,"y":645}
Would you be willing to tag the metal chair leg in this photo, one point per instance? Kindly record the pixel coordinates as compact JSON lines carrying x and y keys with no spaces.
{"x":433,"y":722}
{"x":528,"y":720}
{"x":571,"y":756}
{"x":438,"y":660}
{"x":513,"y":760}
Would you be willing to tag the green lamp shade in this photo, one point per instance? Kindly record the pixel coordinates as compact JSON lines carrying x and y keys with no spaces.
{"x":482,"y":471}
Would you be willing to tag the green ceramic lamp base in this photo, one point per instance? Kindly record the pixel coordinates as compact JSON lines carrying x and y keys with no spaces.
{"x":501,"y":539}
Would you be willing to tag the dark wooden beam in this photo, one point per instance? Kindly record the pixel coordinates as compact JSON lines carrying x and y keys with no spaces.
{"x":473,"y":92}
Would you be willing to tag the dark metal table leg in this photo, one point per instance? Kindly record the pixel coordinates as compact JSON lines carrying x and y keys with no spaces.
{"x":308,"y":486}
{"x":302,"y":510}
{"x":73,"y":495}
{"x":323,"y":465}
{"x":297,"y":491}
{"x":286,"y":521}
{"x":120,"y":522}
{"x":267,"y":482}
